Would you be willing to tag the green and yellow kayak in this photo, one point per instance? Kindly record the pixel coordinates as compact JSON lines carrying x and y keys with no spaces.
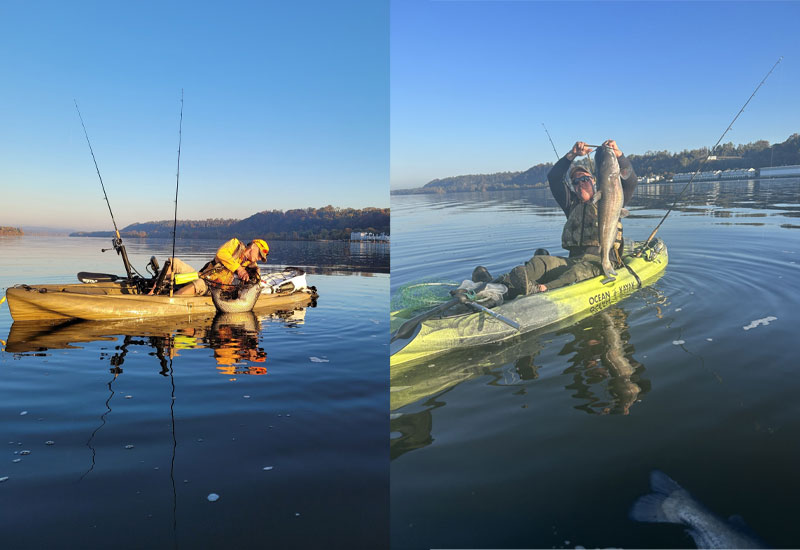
{"x":459,"y":330}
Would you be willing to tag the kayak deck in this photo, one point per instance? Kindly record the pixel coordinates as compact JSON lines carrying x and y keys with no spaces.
{"x":533,"y":312}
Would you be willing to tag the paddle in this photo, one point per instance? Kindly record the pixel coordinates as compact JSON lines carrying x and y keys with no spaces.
{"x":87,"y":277}
{"x":407,"y":328}
{"x":503,"y":318}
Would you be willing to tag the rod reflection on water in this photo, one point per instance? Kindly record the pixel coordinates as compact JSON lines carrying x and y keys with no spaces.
{"x":174,"y":453}
{"x":115,"y":371}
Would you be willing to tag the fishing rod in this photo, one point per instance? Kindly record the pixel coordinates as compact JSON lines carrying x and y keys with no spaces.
{"x":177,"y":180}
{"x":170,"y":339}
{"x":117,"y":242}
{"x":653,"y":234}
{"x":551,"y":141}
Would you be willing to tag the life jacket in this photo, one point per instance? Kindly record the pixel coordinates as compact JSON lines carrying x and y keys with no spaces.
{"x":217,"y":272}
{"x":581,"y":234}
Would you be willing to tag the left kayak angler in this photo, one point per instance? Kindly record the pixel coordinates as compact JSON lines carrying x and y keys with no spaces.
{"x":578,"y":198}
{"x":233,"y":259}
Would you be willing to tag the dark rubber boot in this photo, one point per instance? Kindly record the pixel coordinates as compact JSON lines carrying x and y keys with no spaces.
{"x":520,"y":284}
{"x":481,"y":275}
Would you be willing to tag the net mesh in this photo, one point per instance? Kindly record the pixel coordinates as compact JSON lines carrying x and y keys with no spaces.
{"x":422,"y":294}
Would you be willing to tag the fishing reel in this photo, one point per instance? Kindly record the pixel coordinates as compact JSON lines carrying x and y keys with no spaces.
{"x":153,"y":267}
{"x":116,"y":244}
{"x":653,"y":250}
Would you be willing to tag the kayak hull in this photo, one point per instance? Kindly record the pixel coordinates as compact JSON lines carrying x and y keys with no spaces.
{"x":533,"y":312}
{"x":115,"y":300}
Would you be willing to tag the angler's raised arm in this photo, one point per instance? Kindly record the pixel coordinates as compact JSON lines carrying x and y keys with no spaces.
{"x":556,"y":175}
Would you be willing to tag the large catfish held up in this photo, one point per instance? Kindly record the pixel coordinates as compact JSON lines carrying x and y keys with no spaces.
{"x":609,"y":205}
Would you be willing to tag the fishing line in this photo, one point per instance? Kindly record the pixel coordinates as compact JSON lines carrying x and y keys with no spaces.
{"x":177,"y":180}
{"x":653,"y":234}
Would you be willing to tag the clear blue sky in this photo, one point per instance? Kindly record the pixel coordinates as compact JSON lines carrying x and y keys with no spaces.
{"x":473,"y":81}
{"x":286,"y":106}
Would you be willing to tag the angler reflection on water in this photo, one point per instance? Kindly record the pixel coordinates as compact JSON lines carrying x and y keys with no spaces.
{"x":234,"y":339}
{"x":605,"y":374}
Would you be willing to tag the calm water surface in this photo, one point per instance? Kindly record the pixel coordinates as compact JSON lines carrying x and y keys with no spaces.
{"x":546,"y":441}
{"x":131,"y":426}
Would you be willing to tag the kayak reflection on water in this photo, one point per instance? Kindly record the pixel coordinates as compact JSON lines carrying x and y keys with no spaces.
{"x":233,"y":338}
{"x":605,"y":376}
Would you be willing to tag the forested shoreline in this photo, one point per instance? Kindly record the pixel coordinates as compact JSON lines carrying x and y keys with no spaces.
{"x":307,"y":224}
{"x":758,"y":154}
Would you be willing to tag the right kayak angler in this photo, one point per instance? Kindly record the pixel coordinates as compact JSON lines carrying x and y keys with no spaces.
{"x":592,"y":226}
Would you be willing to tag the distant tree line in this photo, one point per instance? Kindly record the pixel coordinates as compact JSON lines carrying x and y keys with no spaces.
{"x":10,"y":231}
{"x":307,"y":224}
{"x":461,"y":184}
{"x":758,"y":154}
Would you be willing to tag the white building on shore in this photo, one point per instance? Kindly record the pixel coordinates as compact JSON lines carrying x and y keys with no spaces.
{"x":360,"y":236}
{"x":781,"y":171}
